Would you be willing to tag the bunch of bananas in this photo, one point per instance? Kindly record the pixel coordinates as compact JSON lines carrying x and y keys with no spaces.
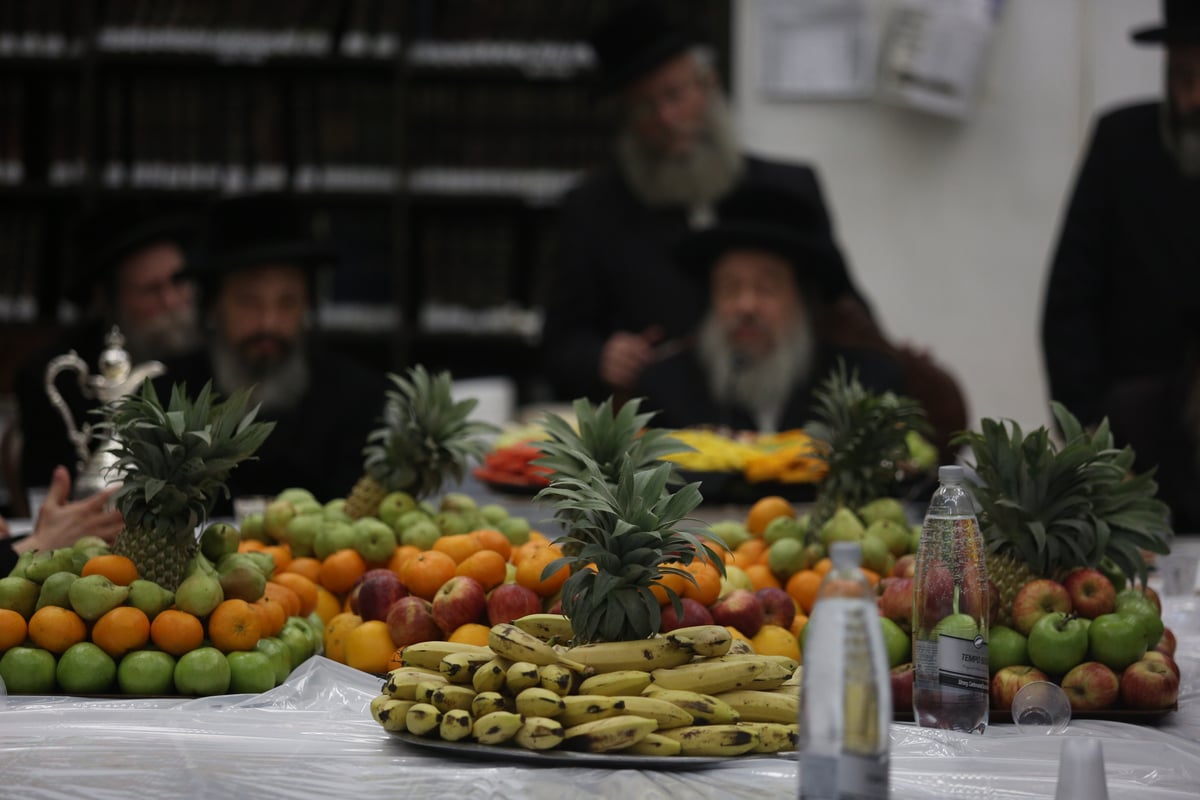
{"x":691,"y":692}
{"x":787,"y":457}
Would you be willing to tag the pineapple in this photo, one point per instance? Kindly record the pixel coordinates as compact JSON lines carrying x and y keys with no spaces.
{"x":426,"y":437}
{"x":865,"y":438}
{"x":175,"y":461}
{"x":1046,"y":510}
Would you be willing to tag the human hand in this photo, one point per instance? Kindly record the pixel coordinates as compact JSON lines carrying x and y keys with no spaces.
{"x":61,"y":521}
{"x":625,"y":355}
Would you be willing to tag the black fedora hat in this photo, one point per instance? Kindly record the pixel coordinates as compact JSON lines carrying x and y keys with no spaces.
{"x":254,"y":230}
{"x":759,"y":216}
{"x":1180,"y":25}
{"x":104,"y":238}
{"x":635,"y":39}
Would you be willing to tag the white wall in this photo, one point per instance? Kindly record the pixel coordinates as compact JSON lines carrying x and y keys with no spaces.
{"x":949,"y":225}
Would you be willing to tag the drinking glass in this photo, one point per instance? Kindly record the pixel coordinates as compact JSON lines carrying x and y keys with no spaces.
{"x":1041,"y":707}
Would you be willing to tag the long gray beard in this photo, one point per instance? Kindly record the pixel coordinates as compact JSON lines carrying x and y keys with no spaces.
{"x":695,"y":179}
{"x":1182,"y":139}
{"x":168,"y":334}
{"x":277,"y":387}
{"x":760,"y":386}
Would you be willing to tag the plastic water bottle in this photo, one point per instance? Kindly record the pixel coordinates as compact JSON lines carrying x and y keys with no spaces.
{"x":950,"y":610}
{"x":846,"y":694}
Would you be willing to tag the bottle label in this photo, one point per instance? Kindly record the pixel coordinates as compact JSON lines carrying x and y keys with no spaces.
{"x":963,"y":663}
{"x":844,"y":777}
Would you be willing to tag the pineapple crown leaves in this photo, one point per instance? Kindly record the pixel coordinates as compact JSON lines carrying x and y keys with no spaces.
{"x":426,"y":436}
{"x":1060,"y":507}
{"x":176,"y":459}
{"x":864,"y":438}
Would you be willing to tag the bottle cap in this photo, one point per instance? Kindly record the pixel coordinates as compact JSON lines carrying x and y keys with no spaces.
{"x":950,"y":472}
{"x":845,"y":555}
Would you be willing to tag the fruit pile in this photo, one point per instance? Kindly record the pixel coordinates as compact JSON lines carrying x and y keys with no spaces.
{"x":82,"y":621}
{"x":512,"y":465}
{"x":695,"y":691}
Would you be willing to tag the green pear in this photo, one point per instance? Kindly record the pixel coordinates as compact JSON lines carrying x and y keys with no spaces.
{"x":48,"y":562}
{"x":276,"y":516}
{"x":296,"y":495}
{"x":730,"y":531}
{"x":219,"y":539}
{"x":199,"y":563}
{"x":252,"y":527}
{"x":332,"y":537}
{"x":233,"y":560}
{"x":19,"y":594}
{"x":457,"y":501}
{"x":843,"y":526}
{"x":199,"y":594}
{"x":264,"y":562}
{"x":56,"y":590}
{"x":492,"y":513}
{"x":302,"y":531}
{"x":451,"y":522}
{"x":894,"y":534}
{"x":883,"y":508}
{"x":875,"y":554}
{"x":90,"y":542}
{"x":335,"y":508}
{"x":243,"y":582}
{"x":94,"y":595}
{"x":23,"y":560}
{"x":515,"y":529}
{"x":151,"y":598}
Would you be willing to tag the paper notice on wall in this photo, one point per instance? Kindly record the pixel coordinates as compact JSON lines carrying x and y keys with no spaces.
{"x":933,"y":52}
{"x":817,"y":48}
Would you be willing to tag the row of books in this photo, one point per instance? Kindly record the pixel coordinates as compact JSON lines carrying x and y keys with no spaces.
{"x":22,"y":252}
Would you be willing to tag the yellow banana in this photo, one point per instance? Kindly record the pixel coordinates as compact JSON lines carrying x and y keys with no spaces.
{"x":604,"y":735}
{"x":623,"y":681}
{"x":711,"y":676}
{"x":377,"y":706}
{"x":643,"y":654}
{"x":513,"y":643}
{"x":772,"y":676}
{"x":539,"y":733}
{"x":537,"y":701}
{"x":401,"y":683}
{"x":490,"y":677}
{"x":422,"y":719}
{"x":548,"y":627}
{"x":520,"y":676}
{"x":704,"y":708}
{"x":654,"y":744}
{"x":713,"y":740}
{"x":787,"y":662}
{"x":423,"y":693}
{"x":557,"y":678}
{"x":393,"y":716}
{"x":496,"y":728}
{"x":756,"y":706}
{"x":429,"y":655}
{"x":740,"y":646}
{"x":452,"y":696}
{"x":580,"y":708}
{"x":667,"y":715}
{"x":455,"y":725}
{"x":774,"y":737}
{"x":487,"y":702}
{"x":460,"y":667}
{"x":703,"y":640}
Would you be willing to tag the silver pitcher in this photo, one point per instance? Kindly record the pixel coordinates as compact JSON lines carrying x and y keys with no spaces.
{"x":116,"y":378}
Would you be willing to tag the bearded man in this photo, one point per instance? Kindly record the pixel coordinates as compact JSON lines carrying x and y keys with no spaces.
{"x":1120,"y":309}
{"x":769,"y":269}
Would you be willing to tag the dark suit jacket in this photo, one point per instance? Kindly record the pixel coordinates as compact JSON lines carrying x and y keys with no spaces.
{"x":616,"y":272}
{"x":678,"y":389}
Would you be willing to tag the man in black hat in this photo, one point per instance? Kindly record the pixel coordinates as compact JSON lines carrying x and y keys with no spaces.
{"x":129,"y":273}
{"x":258,"y":287}
{"x":1125,"y":276}
{"x":770,"y":270}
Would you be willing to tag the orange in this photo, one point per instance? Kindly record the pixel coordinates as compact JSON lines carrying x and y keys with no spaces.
{"x":707,"y":588}
{"x":529,"y":571}
{"x":281,"y":553}
{"x":492,"y":539}
{"x":120,"y":630}
{"x":487,"y":566}
{"x":747,"y":552}
{"x":307,"y":566}
{"x":248,"y":545}
{"x":284,"y":595}
{"x":458,"y":546}
{"x":798,"y":623}
{"x":470,"y":633}
{"x":871,"y":575}
{"x":335,"y":634}
{"x":13,"y":628}
{"x":738,"y":634}
{"x":271,"y":615}
{"x":234,"y":625}
{"x":177,"y":632}
{"x":341,"y":569}
{"x":55,"y":629}
{"x":669,"y":580}
{"x":761,"y":577}
{"x":396,"y":661}
{"x":118,"y":569}
{"x":775,"y":640}
{"x":425,"y":572}
{"x":766,"y":509}
{"x":400,"y":555}
{"x":305,"y":589}
{"x":823,"y":566}
{"x":369,"y":647}
{"x":802,"y":586}
{"x":537,"y":537}
{"x":522,"y":552}
{"x":328,"y":605}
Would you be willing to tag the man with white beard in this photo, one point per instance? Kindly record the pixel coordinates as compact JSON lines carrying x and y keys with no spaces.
{"x":1123,"y":297}
{"x":769,"y":267}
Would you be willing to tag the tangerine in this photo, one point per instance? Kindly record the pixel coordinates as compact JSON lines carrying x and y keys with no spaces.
{"x":341,"y":570}
{"x":425,"y":572}
{"x":13,"y":628}
{"x":670,"y":580}
{"x":400,"y":555}
{"x":470,"y":633}
{"x":118,"y":569}
{"x":335,"y":634}
{"x":766,"y":509}
{"x":284,"y":595}
{"x":307,"y":566}
{"x":707,"y":588}
{"x":305,"y":589}
{"x":120,"y":630}
{"x":369,"y":647}
{"x":55,"y":628}
{"x":747,"y":552}
{"x":328,"y":605}
{"x":234,"y":625}
{"x":487,"y":566}
{"x":802,"y":587}
{"x":281,"y":553}
{"x":775,"y":640}
{"x":176,"y":632}
{"x":459,"y":546}
{"x":492,"y":539}
{"x":271,"y":615}
{"x":761,"y":577}
{"x":530,"y":571}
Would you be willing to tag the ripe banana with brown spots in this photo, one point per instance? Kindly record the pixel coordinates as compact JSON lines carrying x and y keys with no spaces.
{"x":606,"y":735}
{"x":643,"y":654}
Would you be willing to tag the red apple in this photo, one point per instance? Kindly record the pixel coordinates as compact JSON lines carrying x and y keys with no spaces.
{"x":1035,"y":600}
{"x":739,"y":609}
{"x":905,"y":567}
{"x":376,"y":592}
{"x":993,"y":603}
{"x":510,"y":601}
{"x":1008,"y":680}
{"x":1162,"y":658}
{"x":1149,"y":684}
{"x":936,"y":586}
{"x":693,"y":614}
{"x":1166,"y":645}
{"x":778,"y":606}
{"x":896,"y":603}
{"x":352,"y":597}
{"x":976,"y":601}
{"x":410,"y":620}
{"x":555,"y":606}
{"x":460,"y":600}
{"x":901,"y":678}
{"x":1153,"y":597}
{"x":1091,"y":686}
{"x":1092,"y":593}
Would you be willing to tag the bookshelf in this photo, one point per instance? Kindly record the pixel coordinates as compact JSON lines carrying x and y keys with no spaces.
{"x":431,"y":140}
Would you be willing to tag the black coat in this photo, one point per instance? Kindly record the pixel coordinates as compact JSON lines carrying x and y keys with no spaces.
{"x":677,"y":388}
{"x":1120,"y":311}
{"x":616,"y":272}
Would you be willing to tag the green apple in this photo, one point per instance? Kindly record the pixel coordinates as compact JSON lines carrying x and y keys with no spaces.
{"x":884,"y":509}
{"x":394,"y":505}
{"x":421,"y":534}
{"x":254,"y":527}
{"x":1146,"y":614}
{"x":960,"y":626}
{"x":457,"y":501}
{"x":516,"y":529}
{"x":786,"y":557}
{"x":27,"y":670}
{"x":296,"y":495}
{"x":896,"y":642}
{"x":201,"y":672}
{"x":250,"y":671}
{"x":409,"y":518}
{"x":451,"y":522}
{"x":735,"y":578}
{"x":332,"y":537}
{"x":1114,"y":574}
{"x":374,"y":540}
{"x":280,"y":655}
{"x":1116,"y":640}
{"x":783,"y":528}
{"x":301,"y":532}
{"x":276,"y":517}
{"x":1058,"y":642}
{"x":147,"y":672}
{"x":85,"y":669}
{"x":493,"y":513}
{"x":1006,"y":647}
{"x":296,"y":636}
{"x":729,"y":531}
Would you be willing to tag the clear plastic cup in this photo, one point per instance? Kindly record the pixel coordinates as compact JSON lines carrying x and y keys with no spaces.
{"x":1081,"y":774}
{"x":1041,"y":707}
